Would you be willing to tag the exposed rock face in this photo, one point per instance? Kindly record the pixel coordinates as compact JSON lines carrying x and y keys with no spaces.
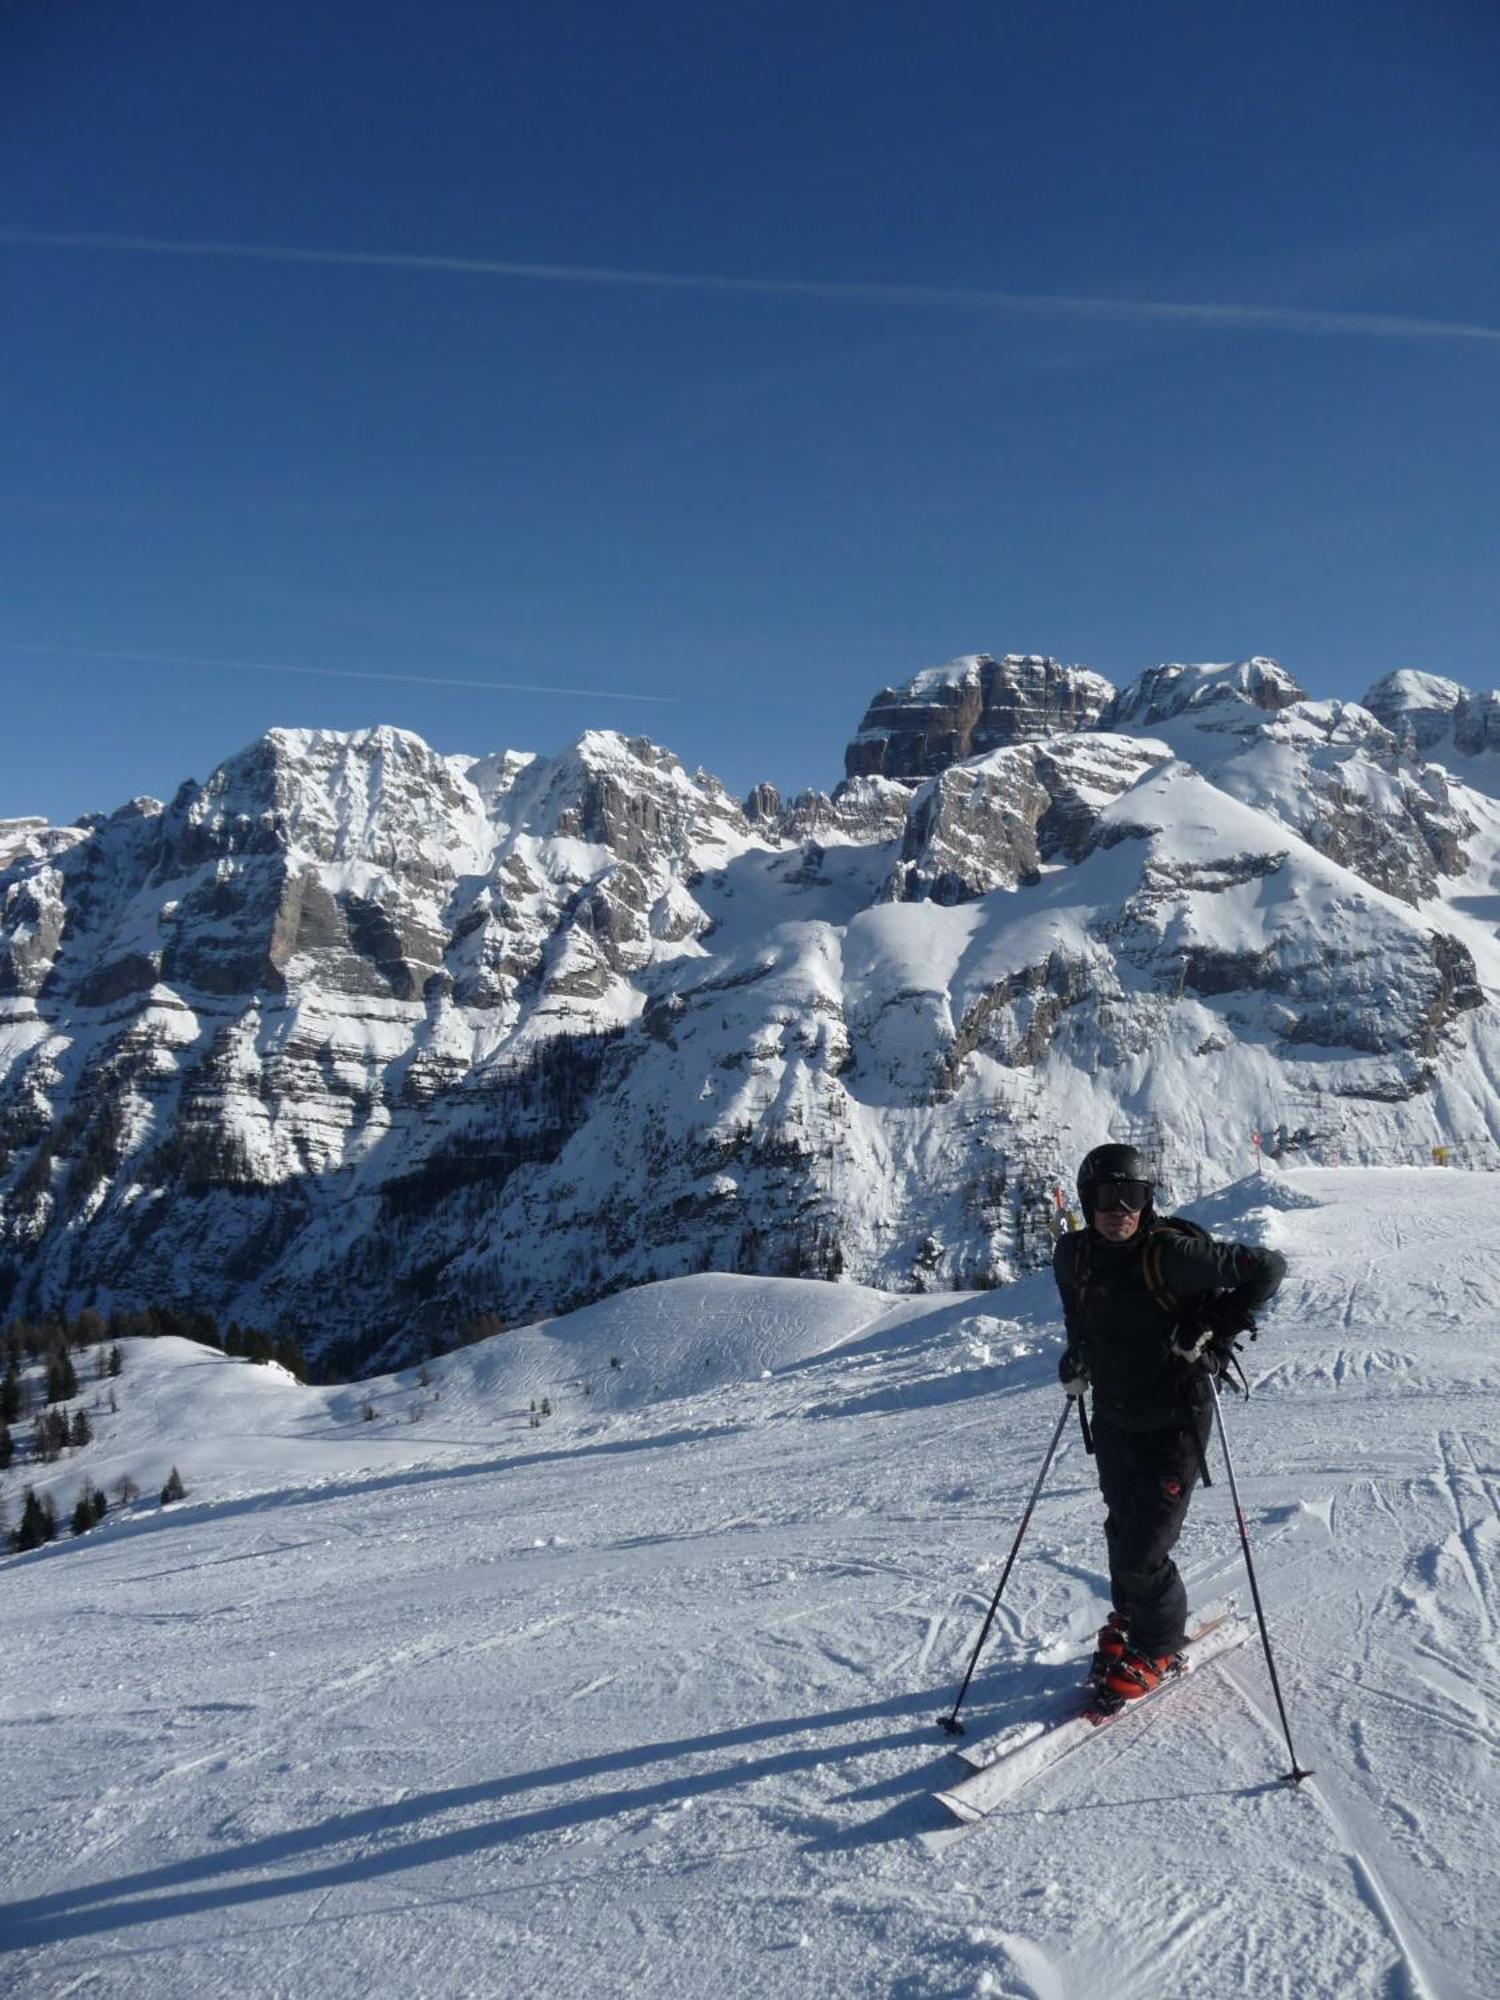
{"x":1477,"y":726}
{"x":1433,"y":716}
{"x":1417,"y":707}
{"x":1329,"y":770}
{"x":1165,"y":691}
{"x":364,"y":1040}
{"x":990,"y":823}
{"x":971,"y":830}
{"x":1350,"y":792}
{"x":271,"y":976}
{"x":969,"y":707}
{"x":861,"y":809}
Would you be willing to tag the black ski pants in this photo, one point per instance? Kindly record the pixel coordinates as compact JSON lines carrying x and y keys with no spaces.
{"x":1147,"y":1479}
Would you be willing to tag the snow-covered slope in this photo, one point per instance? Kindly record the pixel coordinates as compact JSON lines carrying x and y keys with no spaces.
{"x":642,"y":1701}
{"x":363,"y":1042}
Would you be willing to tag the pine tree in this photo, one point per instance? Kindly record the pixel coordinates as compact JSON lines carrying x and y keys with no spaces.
{"x":12,"y":1394}
{"x":62,"y":1377}
{"x":101,"y":1504}
{"x":116,"y":1360}
{"x":37,"y":1525}
{"x":288,"y":1353}
{"x":174,"y":1488}
{"x":81,"y":1431}
{"x":88,"y":1328}
{"x":202,"y":1327}
{"x":84,"y":1516}
{"x":7,"y":1448}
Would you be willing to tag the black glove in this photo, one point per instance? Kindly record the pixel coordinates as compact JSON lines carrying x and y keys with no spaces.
{"x":1217,"y":1356}
{"x":1212,"y":1339}
{"x":1226,"y":1317}
{"x":1072,"y":1372}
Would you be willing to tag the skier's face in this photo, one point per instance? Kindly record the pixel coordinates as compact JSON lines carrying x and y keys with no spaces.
{"x":1118,"y":1206}
{"x":1116,"y":1225}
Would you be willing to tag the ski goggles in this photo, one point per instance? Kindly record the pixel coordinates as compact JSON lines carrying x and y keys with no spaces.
{"x":1129,"y":1195}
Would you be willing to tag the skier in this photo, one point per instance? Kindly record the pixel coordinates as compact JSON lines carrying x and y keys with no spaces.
{"x":1150,"y":1304}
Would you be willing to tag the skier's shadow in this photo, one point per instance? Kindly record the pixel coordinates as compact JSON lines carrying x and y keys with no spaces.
{"x":395,"y":1838}
{"x":1021,"y":1691}
{"x":1015,"y":1691}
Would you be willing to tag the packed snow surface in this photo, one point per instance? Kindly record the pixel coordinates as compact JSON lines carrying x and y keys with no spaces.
{"x":640,"y":1698}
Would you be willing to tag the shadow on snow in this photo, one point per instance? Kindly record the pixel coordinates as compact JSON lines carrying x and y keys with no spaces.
{"x":185,"y":1888}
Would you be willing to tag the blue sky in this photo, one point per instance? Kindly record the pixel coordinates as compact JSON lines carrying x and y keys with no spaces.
{"x":993,"y":420}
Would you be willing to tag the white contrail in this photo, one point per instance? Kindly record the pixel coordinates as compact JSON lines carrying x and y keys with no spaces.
{"x":318,"y":673}
{"x":1278,"y":319}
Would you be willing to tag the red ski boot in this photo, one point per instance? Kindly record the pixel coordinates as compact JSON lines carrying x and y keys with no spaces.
{"x":1136,"y":1673}
{"x":1109,"y":1648}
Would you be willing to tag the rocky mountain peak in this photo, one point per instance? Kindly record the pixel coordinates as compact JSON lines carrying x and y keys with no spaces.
{"x":363,"y":1037}
{"x":1433,"y":716}
{"x":1174,"y":689}
{"x":630,"y":797}
{"x":20,"y":838}
{"x":970,"y":706}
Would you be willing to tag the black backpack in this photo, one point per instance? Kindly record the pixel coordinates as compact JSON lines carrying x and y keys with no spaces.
{"x":1187,"y":1316}
{"x":1151,"y":1262}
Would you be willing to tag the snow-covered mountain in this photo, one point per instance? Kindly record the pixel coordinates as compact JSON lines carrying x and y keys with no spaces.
{"x":366,"y":1041}
{"x":643,"y":1702}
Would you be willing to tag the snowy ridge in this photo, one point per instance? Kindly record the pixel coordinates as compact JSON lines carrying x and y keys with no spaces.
{"x":368,"y":1042}
{"x":646,"y":1697}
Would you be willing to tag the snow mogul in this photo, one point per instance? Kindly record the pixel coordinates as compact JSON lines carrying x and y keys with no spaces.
{"x":1152,"y":1304}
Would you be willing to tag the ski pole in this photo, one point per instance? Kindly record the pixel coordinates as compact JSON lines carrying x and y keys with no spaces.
{"x":950,"y":1721}
{"x":1083,"y":1424}
{"x":1296,"y":1774}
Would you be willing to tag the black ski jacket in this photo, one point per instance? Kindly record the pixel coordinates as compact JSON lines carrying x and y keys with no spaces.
{"x":1124,"y":1335}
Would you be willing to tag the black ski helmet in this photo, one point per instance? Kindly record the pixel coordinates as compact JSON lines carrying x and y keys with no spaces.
{"x":1112,"y":1163}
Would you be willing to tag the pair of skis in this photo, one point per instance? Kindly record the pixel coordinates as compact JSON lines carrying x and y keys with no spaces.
{"x":1009,"y":1761}
{"x":1003,"y":1765}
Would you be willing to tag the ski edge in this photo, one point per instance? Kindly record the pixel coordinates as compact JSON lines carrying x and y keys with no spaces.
{"x":988,"y":1751}
{"x":980,"y":1793}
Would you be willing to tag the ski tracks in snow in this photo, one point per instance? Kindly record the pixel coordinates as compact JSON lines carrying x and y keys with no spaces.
{"x":660,"y":1720}
{"x":1419,"y":1981}
{"x":1476,"y":1528}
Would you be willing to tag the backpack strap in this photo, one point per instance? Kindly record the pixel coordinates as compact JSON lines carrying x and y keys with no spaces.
{"x":1151,"y":1265}
{"x":1151,"y":1271}
{"x":1153,"y":1260}
{"x":1163,"y":1295}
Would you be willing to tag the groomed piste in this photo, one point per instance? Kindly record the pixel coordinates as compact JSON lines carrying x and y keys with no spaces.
{"x":640,"y":1694}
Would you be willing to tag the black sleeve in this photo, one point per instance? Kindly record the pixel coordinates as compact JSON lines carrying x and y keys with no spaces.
{"x":1064,"y":1258}
{"x":1193,"y":1265}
